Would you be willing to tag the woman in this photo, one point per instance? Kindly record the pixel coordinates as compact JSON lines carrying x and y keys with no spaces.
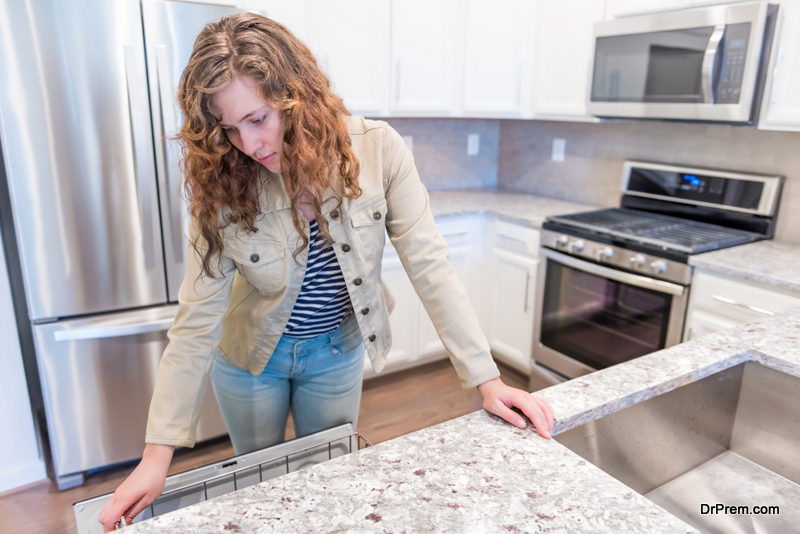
{"x":291,"y":199}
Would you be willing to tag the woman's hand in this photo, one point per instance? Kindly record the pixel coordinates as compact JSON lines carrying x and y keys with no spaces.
{"x":499,"y":398}
{"x":140,"y":489}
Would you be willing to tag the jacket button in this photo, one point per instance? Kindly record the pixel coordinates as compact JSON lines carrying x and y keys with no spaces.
{"x":357,"y":281}
{"x":364,"y":311}
{"x":335,"y":214}
{"x":376,"y":215}
{"x":372,"y":337}
{"x":346,"y":247}
{"x":254,"y":258}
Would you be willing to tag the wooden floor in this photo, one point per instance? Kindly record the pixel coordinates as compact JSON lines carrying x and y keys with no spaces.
{"x":391,"y":406}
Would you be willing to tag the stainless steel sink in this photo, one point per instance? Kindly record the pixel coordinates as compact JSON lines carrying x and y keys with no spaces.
{"x":731,"y":439}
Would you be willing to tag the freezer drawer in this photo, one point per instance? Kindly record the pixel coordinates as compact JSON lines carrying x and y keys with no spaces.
{"x":97,"y":379}
{"x":213,"y":480}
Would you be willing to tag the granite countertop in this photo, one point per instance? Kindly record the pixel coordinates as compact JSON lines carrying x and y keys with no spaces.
{"x":477,"y":473}
{"x":767,"y":262}
{"x":520,"y":208}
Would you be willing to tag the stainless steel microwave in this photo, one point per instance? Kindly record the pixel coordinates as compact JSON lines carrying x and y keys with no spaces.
{"x":703,"y":64}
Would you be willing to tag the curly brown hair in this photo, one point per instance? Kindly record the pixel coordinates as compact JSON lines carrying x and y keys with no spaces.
{"x":221,"y":182}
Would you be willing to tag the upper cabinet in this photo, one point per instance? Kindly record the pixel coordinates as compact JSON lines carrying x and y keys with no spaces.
{"x":502,"y":59}
{"x":561,"y":68}
{"x":424,"y":61}
{"x":780,"y":108}
{"x":352,"y":45}
{"x":497,"y":49}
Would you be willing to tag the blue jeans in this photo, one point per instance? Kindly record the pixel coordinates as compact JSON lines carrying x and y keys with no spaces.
{"x":319,"y":378}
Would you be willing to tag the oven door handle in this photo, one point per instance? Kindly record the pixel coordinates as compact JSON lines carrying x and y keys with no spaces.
{"x":613,"y":274}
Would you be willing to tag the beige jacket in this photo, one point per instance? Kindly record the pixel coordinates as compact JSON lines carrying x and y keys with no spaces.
{"x":243,"y":313}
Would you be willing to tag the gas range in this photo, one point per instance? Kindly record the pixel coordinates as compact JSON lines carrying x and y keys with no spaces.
{"x":640,"y":241}
{"x":614,"y":283}
{"x":669,"y":213}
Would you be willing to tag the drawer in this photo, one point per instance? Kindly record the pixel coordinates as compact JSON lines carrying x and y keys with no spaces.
{"x":739,"y":300}
{"x":515,"y":238}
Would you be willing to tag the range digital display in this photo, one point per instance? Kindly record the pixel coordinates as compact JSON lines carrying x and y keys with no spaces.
{"x":718,"y":190}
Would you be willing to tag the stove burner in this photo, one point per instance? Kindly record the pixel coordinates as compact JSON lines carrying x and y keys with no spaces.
{"x":662,"y":231}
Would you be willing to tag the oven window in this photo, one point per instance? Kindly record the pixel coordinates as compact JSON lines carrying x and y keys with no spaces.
{"x":601,"y":322}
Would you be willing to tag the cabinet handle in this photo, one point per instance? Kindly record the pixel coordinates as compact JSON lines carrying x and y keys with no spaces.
{"x":726,"y":300}
{"x":527,"y":286}
{"x":397,"y":70}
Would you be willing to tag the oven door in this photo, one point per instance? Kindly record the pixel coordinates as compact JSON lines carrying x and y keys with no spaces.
{"x":592,"y":316}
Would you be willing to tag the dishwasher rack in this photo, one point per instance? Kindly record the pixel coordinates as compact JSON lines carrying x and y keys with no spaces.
{"x":212,"y":480}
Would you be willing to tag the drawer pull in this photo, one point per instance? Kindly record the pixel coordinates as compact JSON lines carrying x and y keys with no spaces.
{"x":726,"y":300}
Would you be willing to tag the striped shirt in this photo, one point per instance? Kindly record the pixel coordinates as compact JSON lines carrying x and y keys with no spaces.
{"x":323,"y":301}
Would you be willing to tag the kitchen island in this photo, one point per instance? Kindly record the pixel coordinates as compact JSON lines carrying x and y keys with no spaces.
{"x":478,"y":474}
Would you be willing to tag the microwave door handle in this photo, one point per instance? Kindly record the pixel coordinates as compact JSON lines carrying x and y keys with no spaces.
{"x":710,"y":59}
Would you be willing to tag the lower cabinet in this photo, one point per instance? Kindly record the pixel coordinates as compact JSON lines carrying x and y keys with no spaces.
{"x":718,"y":302}
{"x":414,"y":338}
{"x":497,"y":262}
{"x":510,"y":284}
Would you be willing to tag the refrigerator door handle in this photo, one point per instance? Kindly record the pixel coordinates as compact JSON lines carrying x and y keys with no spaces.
{"x":100,"y":331}
{"x":134,"y":72}
{"x":168,"y":122}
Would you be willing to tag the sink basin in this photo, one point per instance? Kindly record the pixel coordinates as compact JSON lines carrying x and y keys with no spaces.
{"x":729,"y":440}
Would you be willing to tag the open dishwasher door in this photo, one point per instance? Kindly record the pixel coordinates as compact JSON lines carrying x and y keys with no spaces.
{"x":203,"y":483}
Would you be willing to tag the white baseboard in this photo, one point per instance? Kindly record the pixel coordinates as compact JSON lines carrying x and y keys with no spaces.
{"x":26,"y":473}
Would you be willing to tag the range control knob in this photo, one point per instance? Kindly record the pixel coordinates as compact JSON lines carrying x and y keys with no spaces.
{"x":604,"y":253}
{"x":658,"y":266}
{"x":561,"y":241}
{"x":637,"y":261}
{"x":576,"y":245}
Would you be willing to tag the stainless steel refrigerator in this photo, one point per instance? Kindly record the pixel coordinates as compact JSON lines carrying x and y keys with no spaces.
{"x":92,"y":217}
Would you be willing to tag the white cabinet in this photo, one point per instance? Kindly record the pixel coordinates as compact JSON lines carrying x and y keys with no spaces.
{"x":496,"y":50}
{"x":414,"y":338}
{"x":718,"y":302}
{"x":511,"y":282}
{"x":781,"y":103}
{"x":425,"y":57}
{"x":464,"y":236}
{"x":561,"y":68}
{"x":352,"y":46}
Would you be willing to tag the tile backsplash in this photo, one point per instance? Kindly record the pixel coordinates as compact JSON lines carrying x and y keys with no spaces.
{"x":440,"y":151}
{"x":515,"y":155}
{"x":592,"y":170}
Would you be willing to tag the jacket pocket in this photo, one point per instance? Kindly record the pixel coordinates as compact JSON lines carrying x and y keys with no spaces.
{"x":368,"y":222}
{"x":262,"y":262}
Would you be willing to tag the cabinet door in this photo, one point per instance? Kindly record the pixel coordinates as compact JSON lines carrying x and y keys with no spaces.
{"x":425,"y":57}
{"x":562,"y":65}
{"x":512,"y":307}
{"x":462,"y":234}
{"x":403,"y":320}
{"x":699,"y":323}
{"x":781,"y":105}
{"x":495,"y":52}
{"x":294,"y":15}
{"x":352,"y":47}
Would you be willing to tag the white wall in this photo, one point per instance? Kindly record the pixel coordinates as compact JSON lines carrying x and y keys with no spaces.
{"x":20,"y":463}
